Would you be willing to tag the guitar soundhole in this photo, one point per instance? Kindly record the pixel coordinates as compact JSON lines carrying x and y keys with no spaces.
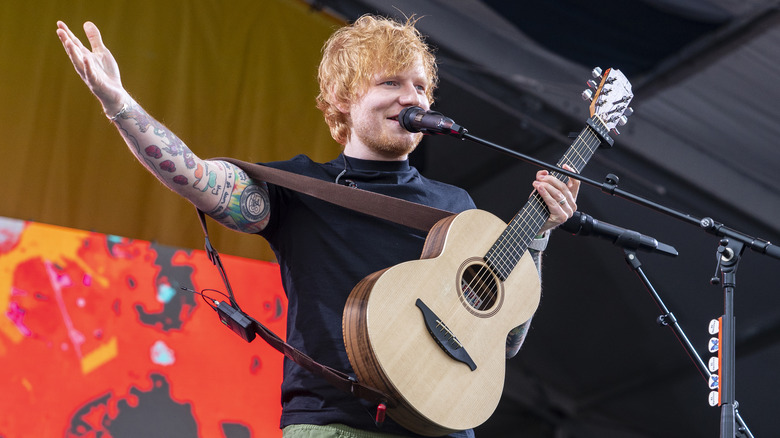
{"x":480,"y":288}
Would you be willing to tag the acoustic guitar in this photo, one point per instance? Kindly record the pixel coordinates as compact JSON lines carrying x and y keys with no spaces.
{"x":431,"y":333}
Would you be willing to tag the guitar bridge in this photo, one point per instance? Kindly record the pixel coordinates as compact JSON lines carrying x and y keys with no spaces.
{"x":444,"y":336}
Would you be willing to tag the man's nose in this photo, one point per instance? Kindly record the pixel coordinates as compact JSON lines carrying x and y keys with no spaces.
{"x":409,"y":96}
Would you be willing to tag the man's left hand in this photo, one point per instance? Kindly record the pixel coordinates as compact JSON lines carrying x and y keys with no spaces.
{"x":560,"y":197}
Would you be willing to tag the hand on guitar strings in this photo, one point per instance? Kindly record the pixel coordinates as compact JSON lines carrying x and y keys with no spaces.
{"x":560,"y":197}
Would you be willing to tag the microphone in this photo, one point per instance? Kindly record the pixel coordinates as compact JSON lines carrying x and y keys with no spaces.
{"x":581,"y":223}
{"x":416,"y":119}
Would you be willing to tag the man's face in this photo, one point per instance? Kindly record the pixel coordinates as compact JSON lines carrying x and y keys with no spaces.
{"x":375,"y":131}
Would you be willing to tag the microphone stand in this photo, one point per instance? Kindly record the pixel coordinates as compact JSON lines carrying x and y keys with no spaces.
{"x":731,"y":246}
{"x":729,"y":411}
{"x":729,"y":254}
{"x":610,"y":186}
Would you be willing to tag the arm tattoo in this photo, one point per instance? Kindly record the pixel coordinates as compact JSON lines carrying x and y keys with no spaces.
{"x":516,"y":336}
{"x":221,"y":189}
{"x":245,"y":207}
{"x":171,"y":145}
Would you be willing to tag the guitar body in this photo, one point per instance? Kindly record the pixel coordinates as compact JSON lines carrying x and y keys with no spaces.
{"x":388,"y":339}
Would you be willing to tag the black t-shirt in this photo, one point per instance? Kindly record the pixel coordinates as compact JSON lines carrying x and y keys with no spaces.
{"x":323,"y":251}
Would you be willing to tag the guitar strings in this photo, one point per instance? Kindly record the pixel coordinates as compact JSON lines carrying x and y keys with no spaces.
{"x":510,"y":250}
{"x":480,"y":290}
{"x":482,"y":283}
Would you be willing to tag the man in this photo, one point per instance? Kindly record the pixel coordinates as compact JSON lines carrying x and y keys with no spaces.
{"x":370,"y":71}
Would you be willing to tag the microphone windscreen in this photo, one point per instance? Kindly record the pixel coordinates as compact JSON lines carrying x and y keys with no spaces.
{"x":407,"y":115}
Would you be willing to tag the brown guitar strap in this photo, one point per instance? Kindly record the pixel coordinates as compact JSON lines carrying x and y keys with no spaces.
{"x":396,"y":210}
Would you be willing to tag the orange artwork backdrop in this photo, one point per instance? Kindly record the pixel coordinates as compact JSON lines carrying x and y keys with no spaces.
{"x":97,"y":339}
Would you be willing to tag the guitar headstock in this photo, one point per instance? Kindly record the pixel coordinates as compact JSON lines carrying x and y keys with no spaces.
{"x":610,"y":95}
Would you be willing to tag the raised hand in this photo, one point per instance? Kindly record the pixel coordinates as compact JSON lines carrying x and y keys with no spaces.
{"x":96,"y":67}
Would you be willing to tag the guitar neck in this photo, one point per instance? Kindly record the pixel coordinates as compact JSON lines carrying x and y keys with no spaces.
{"x":514,"y":241}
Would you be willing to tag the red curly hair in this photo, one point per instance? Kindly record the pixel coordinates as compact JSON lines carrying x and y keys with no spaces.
{"x":354,"y":53}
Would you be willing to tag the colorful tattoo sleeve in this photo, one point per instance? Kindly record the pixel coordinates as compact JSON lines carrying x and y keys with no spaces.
{"x":246,"y":206}
{"x":221,"y":189}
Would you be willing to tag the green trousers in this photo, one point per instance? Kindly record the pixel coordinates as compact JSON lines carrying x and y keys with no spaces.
{"x":329,"y":431}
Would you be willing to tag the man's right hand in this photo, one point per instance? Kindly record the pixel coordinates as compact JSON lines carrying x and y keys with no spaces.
{"x":97,"y":67}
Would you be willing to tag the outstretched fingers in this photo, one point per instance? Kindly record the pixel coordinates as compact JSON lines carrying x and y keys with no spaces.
{"x":67,"y":35}
{"x":95,"y":65}
{"x":93,"y":36}
{"x":73,"y":47}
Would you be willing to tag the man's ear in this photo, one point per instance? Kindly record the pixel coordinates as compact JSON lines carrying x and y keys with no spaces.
{"x":343,"y":107}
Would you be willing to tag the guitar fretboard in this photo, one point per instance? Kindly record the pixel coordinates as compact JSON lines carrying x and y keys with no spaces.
{"x":514,"y":241}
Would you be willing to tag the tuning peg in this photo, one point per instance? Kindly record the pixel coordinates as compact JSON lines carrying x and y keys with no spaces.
{"x":592,"y":83}
{"x":596,"y":72}
{"x":587,"y":95}
{"x":628,"y":112}
{"x":622,"y":120}
{"x":614,"y":131}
